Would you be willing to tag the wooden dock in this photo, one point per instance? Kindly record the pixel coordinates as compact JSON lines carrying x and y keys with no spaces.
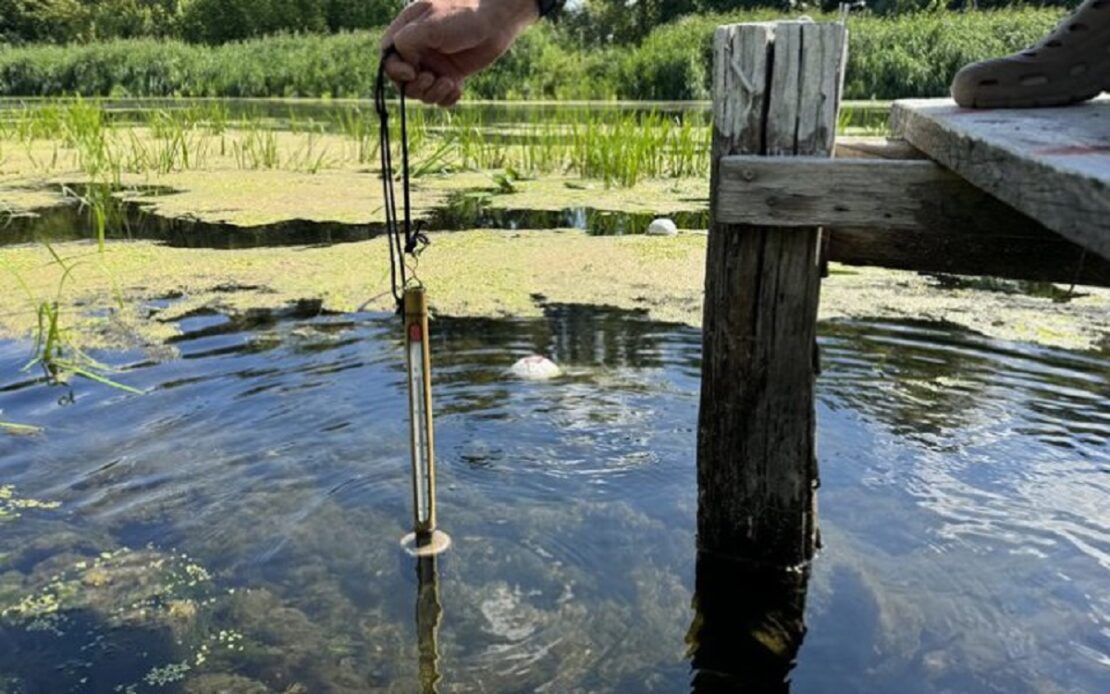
{"x":1021,"y":194}
{"x":1016,"y":194}
{"x":1052,"y":164}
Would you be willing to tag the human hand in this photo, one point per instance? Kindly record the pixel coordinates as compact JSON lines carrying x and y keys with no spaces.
{"x":439,"y":43}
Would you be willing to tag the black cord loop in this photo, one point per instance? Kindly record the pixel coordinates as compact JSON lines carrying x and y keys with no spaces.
{"x":404,"y":237}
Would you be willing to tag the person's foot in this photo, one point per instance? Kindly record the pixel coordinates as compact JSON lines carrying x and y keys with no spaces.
{"x":1070,"y":65}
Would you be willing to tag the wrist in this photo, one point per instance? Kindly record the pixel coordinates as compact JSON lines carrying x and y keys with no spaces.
{"x":521,"y":12}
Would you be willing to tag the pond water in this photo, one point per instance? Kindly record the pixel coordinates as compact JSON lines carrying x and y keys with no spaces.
{"x":130,"y":215}
{"x":237,"y":527}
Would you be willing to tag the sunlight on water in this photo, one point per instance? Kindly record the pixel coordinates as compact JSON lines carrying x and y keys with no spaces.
{"x":237,"y":527}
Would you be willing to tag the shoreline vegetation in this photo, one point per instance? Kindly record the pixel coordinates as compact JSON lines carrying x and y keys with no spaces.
{"x":206,"y":165}
{"x":909,"y":55}
{"x":65,"y":140}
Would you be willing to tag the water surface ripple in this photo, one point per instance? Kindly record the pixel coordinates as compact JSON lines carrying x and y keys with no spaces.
{"x":238,"y":524}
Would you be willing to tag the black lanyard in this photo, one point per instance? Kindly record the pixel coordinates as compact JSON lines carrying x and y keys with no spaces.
{"x":404,"y":238}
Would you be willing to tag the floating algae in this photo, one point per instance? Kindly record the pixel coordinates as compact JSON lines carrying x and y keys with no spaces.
{"x":11,"y":505}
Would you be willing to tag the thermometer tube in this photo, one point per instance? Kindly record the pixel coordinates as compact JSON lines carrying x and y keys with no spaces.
{"x":420,"y":413}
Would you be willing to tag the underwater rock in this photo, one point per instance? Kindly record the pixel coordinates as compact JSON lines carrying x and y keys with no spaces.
{"x":536,"y":368}
{"x":662,"y":227}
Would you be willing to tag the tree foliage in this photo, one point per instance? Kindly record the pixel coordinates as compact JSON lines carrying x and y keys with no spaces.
{"x":207,"y":21}
{"x":912,"y":55}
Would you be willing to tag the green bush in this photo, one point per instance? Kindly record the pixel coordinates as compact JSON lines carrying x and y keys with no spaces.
{"x":917,"y":55}
{"x":911,"y":55}
{"x":889,"y":58}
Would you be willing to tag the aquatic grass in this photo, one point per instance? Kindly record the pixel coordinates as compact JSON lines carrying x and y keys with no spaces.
{"x":52,"y":350}
{"x":104,"y":210}
{"x":257,"y":149}
{"x":20,"y":429}
{"x":307,"y":159}
{"x":361,"y":127}
{"x":619,"y":147}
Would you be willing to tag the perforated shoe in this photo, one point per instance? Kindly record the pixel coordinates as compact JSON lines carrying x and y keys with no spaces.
{"x":1070,"y":65}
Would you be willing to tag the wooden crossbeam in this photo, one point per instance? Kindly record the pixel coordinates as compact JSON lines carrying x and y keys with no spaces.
{"x":910,"y":215}
{"x":813,"y":191}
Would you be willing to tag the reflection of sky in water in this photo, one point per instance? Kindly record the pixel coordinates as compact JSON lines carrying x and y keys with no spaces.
{"x":965,"y":512}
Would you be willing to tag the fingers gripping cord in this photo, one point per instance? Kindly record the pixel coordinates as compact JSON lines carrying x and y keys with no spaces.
{"x":404,"y":238}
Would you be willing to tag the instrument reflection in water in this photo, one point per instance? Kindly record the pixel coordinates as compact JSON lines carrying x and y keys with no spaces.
{"x":425,"y":540}
{"x":429,"y":612}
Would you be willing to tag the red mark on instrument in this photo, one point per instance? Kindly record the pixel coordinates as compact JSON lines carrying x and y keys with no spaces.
{"x":415,"y":333}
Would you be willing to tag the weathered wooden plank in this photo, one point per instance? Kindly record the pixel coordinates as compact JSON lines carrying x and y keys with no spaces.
{"x":869,"y":193}
{"x":784,"y":108}
{"x":740,"y":86}
{"x":875,"y":148}
{"x":748,"y":627}
{"x":824,"y":53}
{"x":757,"y":471}
{"x":809,"y":191}
{"x":1053,"y":164}
{"x":908,"y":215}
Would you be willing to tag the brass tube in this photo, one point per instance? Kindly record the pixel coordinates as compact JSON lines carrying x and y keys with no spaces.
{"x":418,"y":358}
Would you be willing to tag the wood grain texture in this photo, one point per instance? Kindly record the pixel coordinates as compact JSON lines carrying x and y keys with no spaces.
{"x":757,"y":470}
{"x":785,"y":89}
{"x":811,"y":191}
{"x":906,"y":215}
{"x":875,"y":148}
{"x":824,"y":55}
{"x":1052,"y":164}
{"x":740,"y":87}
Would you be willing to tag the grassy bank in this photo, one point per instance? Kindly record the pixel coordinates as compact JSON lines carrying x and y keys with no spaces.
{"x":911,"y":55}
{"x":619,"y":147}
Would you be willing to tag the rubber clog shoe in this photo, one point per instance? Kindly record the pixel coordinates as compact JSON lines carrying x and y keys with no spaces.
{"x":1070,"y":65}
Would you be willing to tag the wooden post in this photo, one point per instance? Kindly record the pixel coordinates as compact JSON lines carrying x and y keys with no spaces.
{"x":776,"y":92}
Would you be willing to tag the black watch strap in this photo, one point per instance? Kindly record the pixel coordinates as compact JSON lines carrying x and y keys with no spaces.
{"x":550,"y":7}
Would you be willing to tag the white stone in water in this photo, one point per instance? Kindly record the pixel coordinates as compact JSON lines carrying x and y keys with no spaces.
{"x":662,"y":227}
{"x":536,"y":368}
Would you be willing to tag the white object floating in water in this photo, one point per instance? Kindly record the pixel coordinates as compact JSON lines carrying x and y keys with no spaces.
{"x":536,"y":368}
{"x":662,"y":227}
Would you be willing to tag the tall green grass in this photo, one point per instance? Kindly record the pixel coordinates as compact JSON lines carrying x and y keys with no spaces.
{"x":620,"y":147}
{"x":890,"y":57}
